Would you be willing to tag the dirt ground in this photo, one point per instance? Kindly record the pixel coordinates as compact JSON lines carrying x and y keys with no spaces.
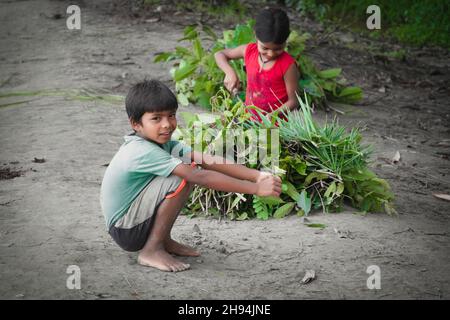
{"x":54,"y":151}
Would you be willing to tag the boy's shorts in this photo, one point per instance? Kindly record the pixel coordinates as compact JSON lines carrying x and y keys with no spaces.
{"x":131,"y":231}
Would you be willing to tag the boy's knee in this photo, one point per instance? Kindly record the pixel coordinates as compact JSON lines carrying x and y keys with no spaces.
{"x":178,"y":186}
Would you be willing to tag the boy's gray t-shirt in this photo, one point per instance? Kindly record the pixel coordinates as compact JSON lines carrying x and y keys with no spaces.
{"x":132,"y":168}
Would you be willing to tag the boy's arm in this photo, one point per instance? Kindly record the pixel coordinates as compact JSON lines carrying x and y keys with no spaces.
{"x":216,"y":163}
{"x":222,"y":57}
{"x":270,"y":186}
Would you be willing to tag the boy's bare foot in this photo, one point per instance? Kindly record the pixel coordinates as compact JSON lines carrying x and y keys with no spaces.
{"x":161,"y":260}
{"x":180,"y":249}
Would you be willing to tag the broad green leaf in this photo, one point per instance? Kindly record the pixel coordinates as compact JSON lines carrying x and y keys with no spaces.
{"x":339,"y":189}
{"x":243,"y":34}
{"x":292,"y":192}
{"x":329,"y":86}
{"x":331,"y":189}
{"x":184,"y":72}
{"x":284,"y":210}
{"x":300,"y":167}
{"x":329,"y":73}
{"x":316,"y":225}
{"x":263,"y":215}
{"x":190,"y":33}
{"x":182,"y":52}
{"x":310,"y":87}
{"x":304,"y":202}
{"x":315,"y":175}
{"x":228,"y":37}
{"x":242,"y":216}
{"x":271,"y":201}
{"x":300,"y":213}
{"x":350,"y":91}
{"x":203,"y":100}
{"x":162,"y":57}
{"x":349,"y":95}
{"x":198,"y":49}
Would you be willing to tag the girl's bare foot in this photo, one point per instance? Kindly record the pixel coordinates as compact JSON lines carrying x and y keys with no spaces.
{"x":161,"y":260}
{"x":180,"y":249}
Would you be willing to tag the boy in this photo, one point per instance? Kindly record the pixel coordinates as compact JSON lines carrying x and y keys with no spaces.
{"x":146,"y":184}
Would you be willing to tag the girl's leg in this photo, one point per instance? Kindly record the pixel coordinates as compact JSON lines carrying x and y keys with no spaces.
{"x":154,"y":252}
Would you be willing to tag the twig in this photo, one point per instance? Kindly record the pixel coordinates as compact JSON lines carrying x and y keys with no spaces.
{"x":237,"y":251}
{"x":375,"y":100}
{"x":135,"y":292}
{"x":407,"y":230}
{"x":323,"y":206}
{"x":336,"y":110}
{"x":8,"y":79}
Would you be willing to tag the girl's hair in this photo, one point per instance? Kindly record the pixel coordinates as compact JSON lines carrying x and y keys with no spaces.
{"x":272,"y":25}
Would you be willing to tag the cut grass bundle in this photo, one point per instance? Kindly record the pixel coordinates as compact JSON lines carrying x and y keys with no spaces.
{"x":328,"y":147}
{"x":320,"y":165}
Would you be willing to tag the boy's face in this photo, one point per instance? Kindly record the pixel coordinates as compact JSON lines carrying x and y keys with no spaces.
{"x":270,"y":51}
{"x":156,"y":126}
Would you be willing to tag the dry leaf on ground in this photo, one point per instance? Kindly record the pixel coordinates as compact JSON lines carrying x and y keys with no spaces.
{"x":310,"y":275}
{"x":396,"y":157}
{"x":442,"y":196}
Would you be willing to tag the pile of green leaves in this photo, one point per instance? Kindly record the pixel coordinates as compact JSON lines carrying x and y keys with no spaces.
{"x":320,"y":166}
{"x":198,"y":78}
{"x":208,"y":132}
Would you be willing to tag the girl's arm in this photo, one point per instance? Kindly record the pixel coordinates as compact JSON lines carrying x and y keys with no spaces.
{"x":222,"y":57}
{"x":291,"y":81}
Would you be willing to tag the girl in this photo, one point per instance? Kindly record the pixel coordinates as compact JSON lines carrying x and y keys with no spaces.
{"x":272,"y":74}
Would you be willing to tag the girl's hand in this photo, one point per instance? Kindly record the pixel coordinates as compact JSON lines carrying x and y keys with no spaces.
{"x":268,"y":185}
{"x":231,"y":82}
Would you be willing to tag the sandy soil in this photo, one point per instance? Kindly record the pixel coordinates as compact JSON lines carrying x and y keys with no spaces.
{"x":50,"y":214}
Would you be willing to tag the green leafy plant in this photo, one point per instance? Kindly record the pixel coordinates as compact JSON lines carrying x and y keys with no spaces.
{"x":198,"y":78}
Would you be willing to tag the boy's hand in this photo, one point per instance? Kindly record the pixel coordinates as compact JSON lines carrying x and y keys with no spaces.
{"x":231,"y":82}
{"x":268,"y":185}
{"x":263,"y":175}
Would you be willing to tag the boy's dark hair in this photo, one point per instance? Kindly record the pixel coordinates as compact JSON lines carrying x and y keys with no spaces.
{"x":149,"y":96}
{"x":272,"y":25}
